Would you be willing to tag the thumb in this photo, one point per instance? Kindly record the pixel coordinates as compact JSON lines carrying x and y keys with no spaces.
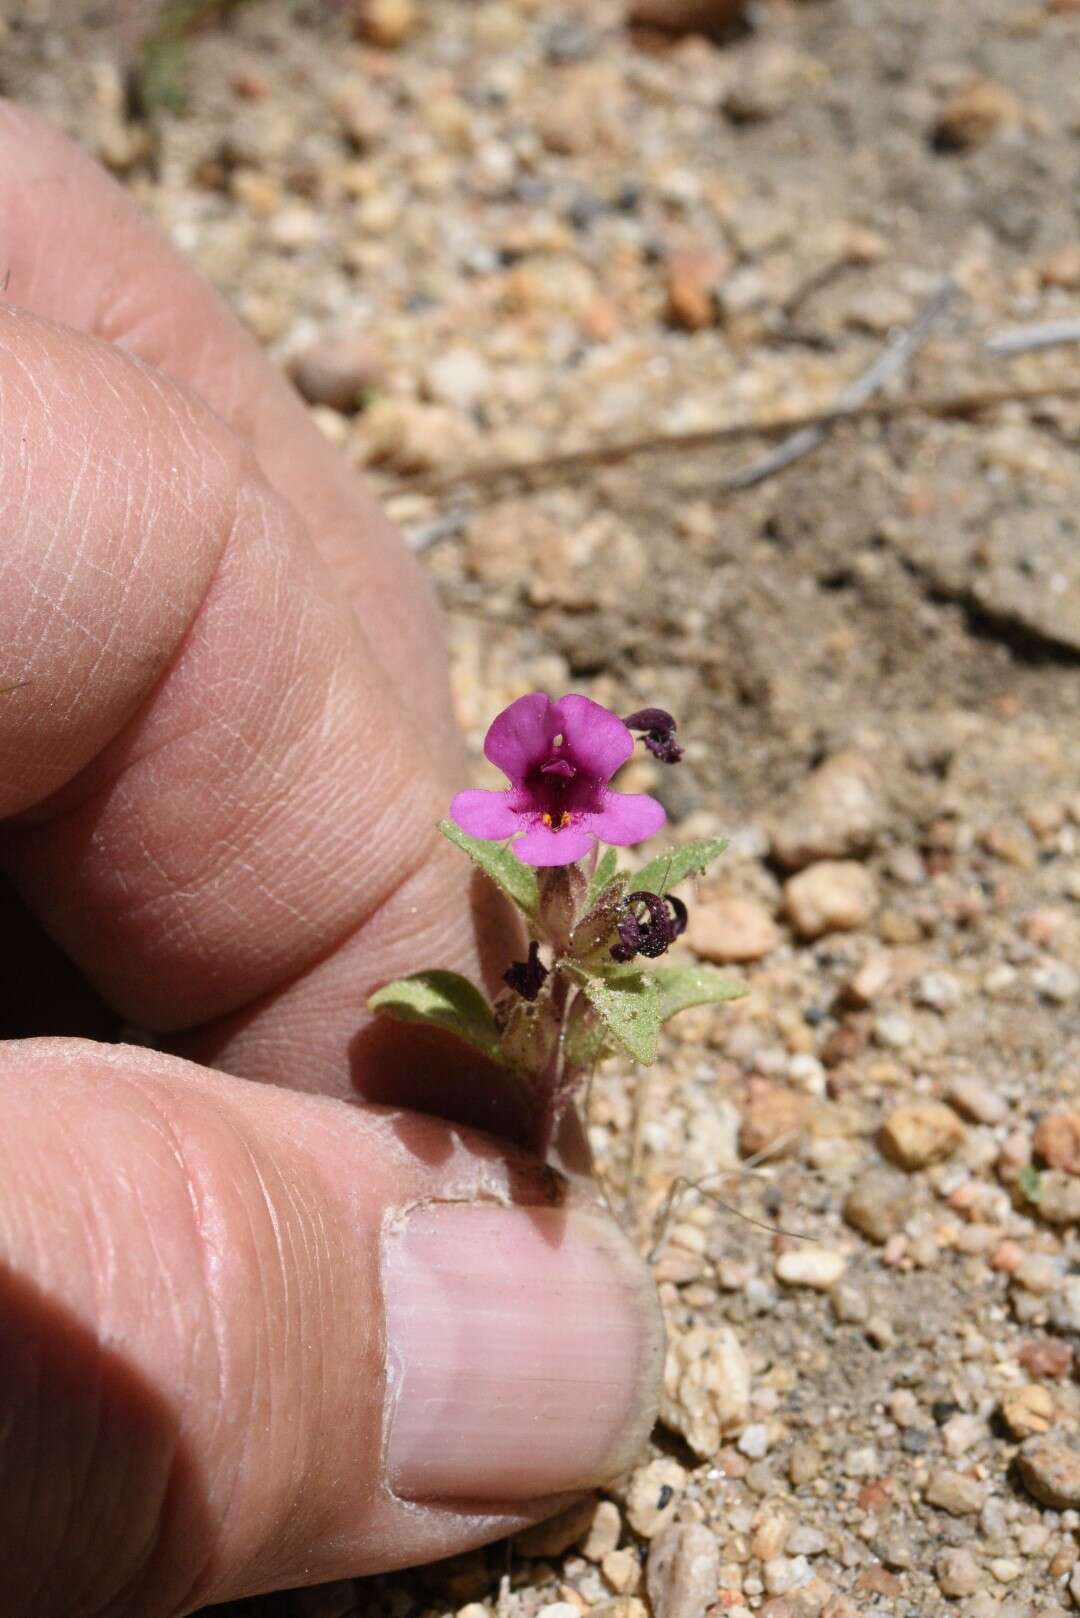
{"x":252,"y":1338}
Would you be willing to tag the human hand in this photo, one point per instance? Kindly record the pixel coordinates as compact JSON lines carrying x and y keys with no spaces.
{"x":252,"y":1334}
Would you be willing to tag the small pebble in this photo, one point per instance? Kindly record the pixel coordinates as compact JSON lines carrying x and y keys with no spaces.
{"x":731,"y":928}
{"x":458,"y":377}
{"x":654,"y":1495}
{"x":831,"y":896}
{"x":1065,"y":1305}
{"x":850,"y":1304}
{"x":897,"y":1551}
{"x":336,"y":373}
{"x":693,"y":282}
{"x":622,"y":1570}
{"x":783,"y":1573}
{"x":773,"y":1119}
{"x":753,"y":1441}
{"x":961,"y":1432}
{"x":879,"y":1203}
{"x":805,"y":1541}
{"x":869,"y":982}
{"x":1046,"y":1357}
{"x":1056,"y":982}
{"x":837,"y":811}
{"x":603,"y":1532}
{"x":862,"y":1461}
{"x":387,"y":23}
{"x":938,"y":990}
{"x":687,"y":16}
{"x":893,"y":1030}
{"x":993,"y":1519}
{"x":1028,"y":1411}
{"x":977,"y":1101}
{"x":957,"y":1573}
{"x":902,"y":1406}
{"x":1057,"y":1198}
{"x":706,"y":1392}
{"x":807,"y":1266}
{"x":1057,"y":1141}
{"x":959,"y":1495}
{"x":771,"y":1529}
{"x":924,"y":1132}
{"x":683,"y":1571}
{"x":1050,"y":1471}
{"x":1038,"y":1273}
{"x":1060,"y":269}
{"x":804,"y":1465}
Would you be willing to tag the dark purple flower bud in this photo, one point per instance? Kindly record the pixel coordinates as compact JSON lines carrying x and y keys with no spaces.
{"x":659,"y":733}
{"x":679,"y":915}
{"x":652,"y":936}
{"x":650,"y":719}
{"x":527,"y":977}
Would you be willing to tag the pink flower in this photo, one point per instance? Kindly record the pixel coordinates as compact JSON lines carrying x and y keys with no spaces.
{"x":559,"y":758}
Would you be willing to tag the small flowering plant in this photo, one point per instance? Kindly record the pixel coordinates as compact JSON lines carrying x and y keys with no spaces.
{"x":582,"y":990}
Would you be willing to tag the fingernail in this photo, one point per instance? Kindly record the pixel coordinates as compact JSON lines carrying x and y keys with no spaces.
{"x":524,"y":1349}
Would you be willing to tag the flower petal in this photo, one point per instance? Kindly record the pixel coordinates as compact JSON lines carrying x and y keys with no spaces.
{"x":542,"y":845}
{"x":627,"y":817}
{"x":485,"y":814}
{"x":520,"y":738}
{"x":596,"y":739}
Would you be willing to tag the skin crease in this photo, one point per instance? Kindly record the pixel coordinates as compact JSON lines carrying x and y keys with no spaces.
{"x":218,"y":788}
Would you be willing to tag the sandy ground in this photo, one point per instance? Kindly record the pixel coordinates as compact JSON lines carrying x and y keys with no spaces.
{"x":520,"y":230}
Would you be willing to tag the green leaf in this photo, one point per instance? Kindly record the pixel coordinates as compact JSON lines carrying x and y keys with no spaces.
{"x":162,"y":76}
{"x":605,"y":870}
{"x":683,"y":986}
{"x":1030,"y":1182}
{"x":629,"y":1006}
{"x":516,"y":879}
{"x":442,"y":1000}
{"x":584,"y":1034}
{"x":666,"y":871}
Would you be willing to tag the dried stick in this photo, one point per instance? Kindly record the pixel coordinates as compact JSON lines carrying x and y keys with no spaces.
{"x":1020,"y":339}
{"x":895,"y":358}
{"x":917,"y":404}
{"x":943,"y":406}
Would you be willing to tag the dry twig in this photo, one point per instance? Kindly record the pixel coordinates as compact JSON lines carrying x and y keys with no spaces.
{"x":895,"y":358}
{"x":485,"y":480}
{"x":1020,"y":339}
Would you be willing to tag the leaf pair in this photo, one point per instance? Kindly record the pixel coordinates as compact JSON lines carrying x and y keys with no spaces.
{"x":631,"y":1005}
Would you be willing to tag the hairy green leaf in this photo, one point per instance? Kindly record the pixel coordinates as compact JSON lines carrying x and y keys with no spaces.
{"x":442,"y":1000}
{"x":683,"y":986}
{"x":628,"y":1003}
{"x":583,"y":1036}
{"x":666,"y":871}
{"x":605,"y":870}
{"x":516,"y":879}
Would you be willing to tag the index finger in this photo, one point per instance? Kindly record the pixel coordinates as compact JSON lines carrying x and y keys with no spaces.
{"x":77,"y":250}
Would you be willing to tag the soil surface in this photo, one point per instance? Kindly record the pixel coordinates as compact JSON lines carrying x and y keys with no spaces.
{"x":513,"y":230}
